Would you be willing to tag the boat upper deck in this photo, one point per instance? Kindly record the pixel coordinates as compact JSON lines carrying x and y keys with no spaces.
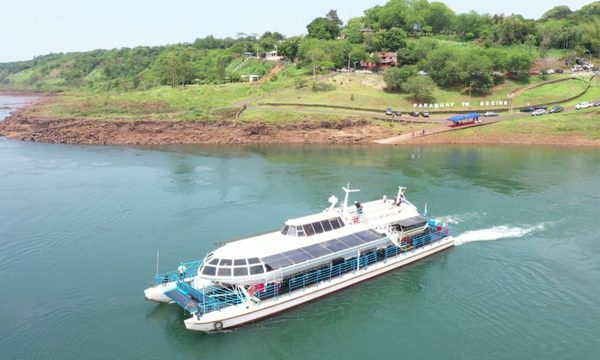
{"x":371,"y":215}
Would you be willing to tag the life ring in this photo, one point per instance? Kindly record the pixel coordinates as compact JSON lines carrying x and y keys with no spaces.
{"x":218,"y":325}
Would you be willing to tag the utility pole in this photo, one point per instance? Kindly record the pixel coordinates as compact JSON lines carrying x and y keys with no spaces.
{"x":348,"y":61}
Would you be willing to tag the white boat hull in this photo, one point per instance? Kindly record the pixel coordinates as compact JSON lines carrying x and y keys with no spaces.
{"x":237,"y":315}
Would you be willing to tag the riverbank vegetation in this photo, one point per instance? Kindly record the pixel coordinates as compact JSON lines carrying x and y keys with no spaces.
{"x":439,"y":57}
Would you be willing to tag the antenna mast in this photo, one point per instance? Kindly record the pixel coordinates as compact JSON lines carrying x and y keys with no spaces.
{"x":348,"y":191}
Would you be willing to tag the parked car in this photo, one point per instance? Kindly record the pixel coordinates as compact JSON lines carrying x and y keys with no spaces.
{"x":490,"y":114}
{"x":389,"y":111}
{"x":559,"y":71}
{"x":414,"y":113}
{"x":425,"y":114}
{"x":538,"y":112}
{"x":556,"y":109}
{"x":528,"y":109}
{"x":398,"y":113}
{"x":540,"y":107}
{"x":583,"y":105}
{"x":597,"y":103}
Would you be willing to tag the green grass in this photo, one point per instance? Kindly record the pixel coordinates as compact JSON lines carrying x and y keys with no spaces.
{"x":197,"y":102}
{"x":584,"y":123}
{"x":282,"y":117}
{"x":550,"y":92}
{"x":367,"y":91}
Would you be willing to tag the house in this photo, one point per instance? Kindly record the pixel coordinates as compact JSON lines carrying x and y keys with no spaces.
{"x":249,"y":78}
{"x":382,"y":61}
{"x":273,"y":56}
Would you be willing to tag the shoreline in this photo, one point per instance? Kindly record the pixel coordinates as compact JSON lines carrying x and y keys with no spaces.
{"x":25,"y":124}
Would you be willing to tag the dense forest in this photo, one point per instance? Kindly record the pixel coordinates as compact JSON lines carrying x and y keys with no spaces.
{"x":454,"y":49}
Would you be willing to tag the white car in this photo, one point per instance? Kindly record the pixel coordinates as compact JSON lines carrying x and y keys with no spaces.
{"x":538,"y":112}
{"x":583,"y":105}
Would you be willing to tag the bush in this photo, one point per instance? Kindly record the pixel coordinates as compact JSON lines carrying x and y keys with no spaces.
{"x":419,"y":87}
{"x":317,"y":86}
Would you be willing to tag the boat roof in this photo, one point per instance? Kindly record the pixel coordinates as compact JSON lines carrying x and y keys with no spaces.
{"x":374,"y":213}
{"x":309,"y":219}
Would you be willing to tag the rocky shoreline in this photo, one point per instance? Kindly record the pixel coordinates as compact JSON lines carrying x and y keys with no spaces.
{"x":23,"y":126}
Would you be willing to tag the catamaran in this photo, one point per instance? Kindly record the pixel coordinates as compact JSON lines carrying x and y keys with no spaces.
{"x":309,"y":257}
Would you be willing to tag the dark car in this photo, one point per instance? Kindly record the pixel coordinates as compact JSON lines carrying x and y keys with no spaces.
{"x":389,"y":111}
{"x":425,"y":114}
{"x":556,"y":109}
{"x":398,"y":113}
{"x":540,"y":108}
{"x":596,"y":103}
{"x":528,"y":109}
{"x":414,"y":113}
{"x":559,"y":71}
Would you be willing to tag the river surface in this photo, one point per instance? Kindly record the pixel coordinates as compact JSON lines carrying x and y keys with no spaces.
{"x":80,"y":227}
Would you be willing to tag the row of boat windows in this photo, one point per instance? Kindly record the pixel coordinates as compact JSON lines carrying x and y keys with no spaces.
{"x":235,"y":262}
{"x":236,"y":271}
{"x":314,"y":228}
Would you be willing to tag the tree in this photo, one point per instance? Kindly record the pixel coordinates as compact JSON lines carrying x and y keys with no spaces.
{"x":514,"y":30}
{"x":289,"y":47}
{"x":476,"y":72}
{"x":395,"y":77}
{"x":325,"y":28}
{"x":439,"y":17}
{"x":591,"y":36}
{"x":419,"y":87}
{"x":519,"y":64}
{"x":394,"y":39}
{"x":557,"y":12}
{"x":443,"y":66}
{"x":353,"y":31}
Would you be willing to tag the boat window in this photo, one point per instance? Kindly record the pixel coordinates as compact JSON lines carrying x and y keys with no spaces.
{"x":284,"y":230}
{"x":326,"y":225}
{"x":256,"y":269}
{"x":224,"y":271}
{"x":334,"y":223}
{"x":214,"y":261}
{"x":237,"y":262}
{"x":341,"y":222}
{"x":225,"y":262}
{"x":292,"y":231}
{"x":253,"y":261}
{"x":300,"y":232}
{"x":308,"y":230}
{"x":318,"y":227}
{"x":240,"y":271}
{"x":209,"y":270}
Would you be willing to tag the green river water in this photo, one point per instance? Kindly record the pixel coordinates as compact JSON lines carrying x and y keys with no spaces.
{"x":80,"y":227}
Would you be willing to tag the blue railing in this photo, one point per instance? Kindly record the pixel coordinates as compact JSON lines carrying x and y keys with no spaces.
{"x":315,"y":276}
{"x":191,"y":270}
{"x":211,"y":298}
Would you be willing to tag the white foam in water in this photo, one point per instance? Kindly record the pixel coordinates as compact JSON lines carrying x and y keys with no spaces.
{"x":496,"y":233}
{"x":457,"y":219}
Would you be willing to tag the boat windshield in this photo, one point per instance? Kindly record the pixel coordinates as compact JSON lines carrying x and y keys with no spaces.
{"x":312,"y":229}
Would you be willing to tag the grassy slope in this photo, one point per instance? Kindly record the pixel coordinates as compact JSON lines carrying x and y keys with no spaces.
{"x":551,"y":92}
{"x":163,"y":103}
{"x":366,"y":91}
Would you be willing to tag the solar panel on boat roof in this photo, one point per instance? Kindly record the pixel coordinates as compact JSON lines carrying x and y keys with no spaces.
{"x":368,"y":235}
{"x":297,"y":255}
{"x":316,"y":250}
{"x":277,"y":261}
{"x":351,"y":240}
{"x":335,"y":245}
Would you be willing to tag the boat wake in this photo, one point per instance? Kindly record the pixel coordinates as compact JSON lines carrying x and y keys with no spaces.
{"x":496,"y":233}
{"x":457,"y":219}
